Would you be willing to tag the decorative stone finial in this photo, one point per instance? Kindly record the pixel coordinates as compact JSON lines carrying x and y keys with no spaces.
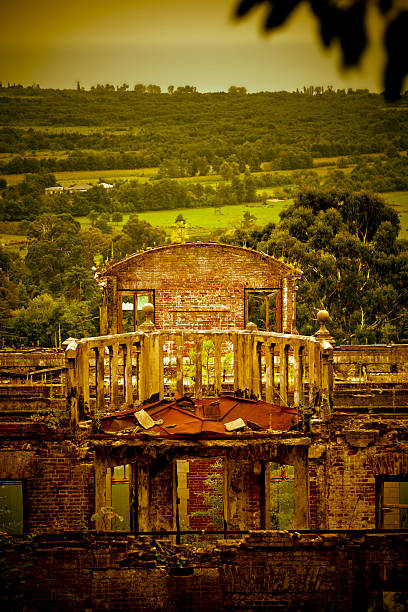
{"x":251,"y":327}
{"x":323,"y":333}
{"x":148,"y":324}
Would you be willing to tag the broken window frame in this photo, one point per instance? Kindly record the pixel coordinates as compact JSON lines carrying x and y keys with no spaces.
{"x":134,"y":294}
{"x":267,"y":291}
{"x":382,"y":505}
{"x":22,"y":510}
{"x":286,"y":475}
{"x":120,"y":480}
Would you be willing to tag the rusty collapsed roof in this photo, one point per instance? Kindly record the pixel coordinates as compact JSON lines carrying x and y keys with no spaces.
{"x":209,"y":417}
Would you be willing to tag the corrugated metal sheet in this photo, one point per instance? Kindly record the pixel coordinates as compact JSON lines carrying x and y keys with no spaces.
{"x":187,"y":417}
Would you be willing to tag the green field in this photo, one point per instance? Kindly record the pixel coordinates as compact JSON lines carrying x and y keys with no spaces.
{"x":204,"y":223}
{"x":93,"y":176}
{"x":399,"y":201}
{"x":144,"y":174}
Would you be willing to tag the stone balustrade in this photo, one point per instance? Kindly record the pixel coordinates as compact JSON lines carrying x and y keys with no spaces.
{"x":110,"y":373}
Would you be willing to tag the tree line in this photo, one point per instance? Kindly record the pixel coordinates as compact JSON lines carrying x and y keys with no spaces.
{"x":346,"y":244}
{"x":286,"y":130}
{"x":28,"y":199}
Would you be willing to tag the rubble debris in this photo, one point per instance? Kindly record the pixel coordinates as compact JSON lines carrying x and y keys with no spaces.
{"x":234,"y":425}
{"x":144,"y":419}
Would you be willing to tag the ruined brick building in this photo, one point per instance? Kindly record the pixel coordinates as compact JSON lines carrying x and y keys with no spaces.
{"x":246,"y":465}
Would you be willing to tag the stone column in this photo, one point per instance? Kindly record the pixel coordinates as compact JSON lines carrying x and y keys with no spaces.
{"x":198,"y":386}
{"x":100,"y":493}
{"x":142,"y":476}
{"x":300,"y":463}
{"x":270,"y":372}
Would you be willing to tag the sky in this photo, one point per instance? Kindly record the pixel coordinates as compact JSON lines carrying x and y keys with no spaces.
{"x":55,"y":43}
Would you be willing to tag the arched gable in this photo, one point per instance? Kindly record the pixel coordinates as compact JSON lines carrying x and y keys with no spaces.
{"x":197,"y":285}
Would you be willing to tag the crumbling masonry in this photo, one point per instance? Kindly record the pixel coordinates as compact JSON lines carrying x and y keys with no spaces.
{"x":112,"y":447}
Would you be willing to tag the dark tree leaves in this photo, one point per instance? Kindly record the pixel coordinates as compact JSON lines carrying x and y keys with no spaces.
{"x":346,"y":23}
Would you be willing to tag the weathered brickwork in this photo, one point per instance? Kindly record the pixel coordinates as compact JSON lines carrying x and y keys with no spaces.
{"x":161,"y":508}
{"x":199,"y":472}
{"x":59,"y":485}
{"x":345,"y":466}
{"x":198,"y":285}
{"x":269,"y":570}
{"x":343,"y":475}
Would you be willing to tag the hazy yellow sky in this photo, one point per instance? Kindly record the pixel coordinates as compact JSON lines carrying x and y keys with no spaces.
{"x":178,"y":42}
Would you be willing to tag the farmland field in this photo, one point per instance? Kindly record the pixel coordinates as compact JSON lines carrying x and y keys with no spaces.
{"x":93,"y":176}
{"x":204,"y":223}
{"x":200,"y":220}
{"x":399,"y":201}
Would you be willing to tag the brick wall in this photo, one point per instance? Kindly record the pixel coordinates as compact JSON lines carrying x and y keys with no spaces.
{"x":161,"y":514}
{"x":343,"y":476}
{"x":273,"y":571}
{"x":59,"y":485}
{"x":199,"y":471}
{"x":205,"y":484}
{"x":200,"y":286}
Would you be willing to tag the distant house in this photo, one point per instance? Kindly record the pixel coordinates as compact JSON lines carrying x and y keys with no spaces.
{"x":80,"y":188}
{"x":52,"y":190}
{"x":76,"y":188}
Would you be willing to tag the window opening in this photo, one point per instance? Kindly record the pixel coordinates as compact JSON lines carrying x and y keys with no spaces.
{"x":262,"y":307}
{"x":282,"y":496}
{"x":12,"y":507}
{"x":208,"y":372}
{"x":128,"y":316}
{"x":227,"y":366}
{"x":120,"y":497}
{"x":393,"y":502}
{"x":200,"y":502}
{"x":132,"y":314}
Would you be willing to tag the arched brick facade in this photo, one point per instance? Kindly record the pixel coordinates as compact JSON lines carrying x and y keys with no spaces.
{"x":198,"y":286}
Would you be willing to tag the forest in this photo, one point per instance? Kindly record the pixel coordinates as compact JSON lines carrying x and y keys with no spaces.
{"x":329,"y":155}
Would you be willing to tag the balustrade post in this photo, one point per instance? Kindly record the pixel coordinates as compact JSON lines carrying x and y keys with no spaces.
{"x":71,"y":356}
{"x":298,"y":374}
{"x":127,"y":353}
{"x":152,"y":366}
{"x":142,"y":373}
{"x":113,"y":374}
{"x":83,"y":377}
{"x":256,"y":385}
{"x":179,"y":364}
{"x":157,"y":351}
{"x":248,"y":374}
{"x":284,"y":373}
{"x":312,"y":371}
{"x":326,"y":347}
{"x":239,"y":361}
{"x":217,"y":365}
{"x":328,"y":373}
{"x":100,"y":378}
{"x":270,"y":372}
{"x":198,"y":383}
